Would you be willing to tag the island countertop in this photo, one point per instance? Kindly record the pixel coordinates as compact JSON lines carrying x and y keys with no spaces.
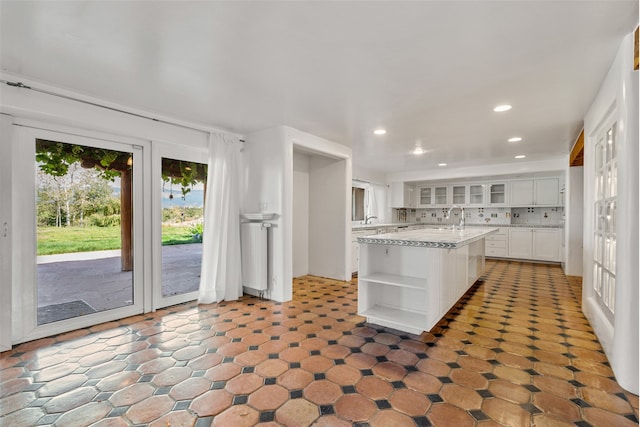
{"x":430,"y":237}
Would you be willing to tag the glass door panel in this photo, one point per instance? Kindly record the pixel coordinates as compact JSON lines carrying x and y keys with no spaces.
{"x":179,"y":178}
{"x":84,"y":224}
{"x":606,"y":190}
{"x":476,"y":194}
{"x":183,"y":195}
{"x":459,"y":195}
{"x":440,"y":196}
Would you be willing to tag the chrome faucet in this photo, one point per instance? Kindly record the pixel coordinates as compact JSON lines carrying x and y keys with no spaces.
{"x":366,"y":221}
{"x":461,"y":225}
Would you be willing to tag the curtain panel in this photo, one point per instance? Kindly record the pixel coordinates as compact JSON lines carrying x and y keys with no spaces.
{"x":221,"y":274}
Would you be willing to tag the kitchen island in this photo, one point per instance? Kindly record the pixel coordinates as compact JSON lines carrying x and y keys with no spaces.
{"x":409,"y":280}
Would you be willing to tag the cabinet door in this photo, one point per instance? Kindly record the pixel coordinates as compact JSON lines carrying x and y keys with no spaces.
{"x":476,"y":194}
{"x":397,"y":194}
{"x":547,"y":191}
{"x":409,"y":196}
{"x":441,"y":195}
{"x":402,"y":195}
{"x":497,"y":194}
{"x":521,"y":243}
{"x":521,"y":193}
{"x":425,"y":197}
{"x":546,"y":244}
{"x":459,"y":195}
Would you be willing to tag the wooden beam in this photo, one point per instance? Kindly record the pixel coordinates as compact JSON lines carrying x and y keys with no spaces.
{"x":635,"y":50}
{"x":577,"y":152}
{"x":126,"y":210}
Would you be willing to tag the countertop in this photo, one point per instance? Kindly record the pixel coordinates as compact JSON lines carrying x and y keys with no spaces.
{"x":430,"y":237}
{"x":439,"y":224}
{"x":386,"y":224}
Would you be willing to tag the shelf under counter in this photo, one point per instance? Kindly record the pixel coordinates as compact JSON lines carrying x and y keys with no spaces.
{"x":395,"y":280}
{"x":396,"y":318}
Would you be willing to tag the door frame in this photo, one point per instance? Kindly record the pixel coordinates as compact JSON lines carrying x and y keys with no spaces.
{"x":6,"y":230}
{"x":24,"y":284}
{"x":162,"y":150}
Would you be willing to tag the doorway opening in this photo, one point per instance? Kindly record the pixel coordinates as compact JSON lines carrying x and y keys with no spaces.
{"x":84,"y":220}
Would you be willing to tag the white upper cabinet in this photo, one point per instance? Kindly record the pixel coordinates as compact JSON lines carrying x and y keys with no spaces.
{"x":497,"y":194}
{"x":521,"y":192}
{"x":535,"y":192}
{"x":476,"y":195}
{"x":546,"y":191}
{"x":441,"y":196}
{"x":403,"y":195}
{"x":425,"y":197}
{"x":460,"y":194}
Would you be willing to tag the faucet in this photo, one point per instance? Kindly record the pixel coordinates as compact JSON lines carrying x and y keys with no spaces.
{"x":366,"y":221}
{"x":461,"y":225}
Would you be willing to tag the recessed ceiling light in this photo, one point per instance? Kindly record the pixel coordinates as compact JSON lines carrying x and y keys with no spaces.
{"x":520,"y":156}
{"x":515,"y":139}
{"x":379,"y":131}
{"x":442,"y":164}
{"x":419,"y":150}
{"x":501,"y":108}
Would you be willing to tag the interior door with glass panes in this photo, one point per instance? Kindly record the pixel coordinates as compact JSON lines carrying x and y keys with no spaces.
{"x":605,"y":197}
{"x":180,"y":177}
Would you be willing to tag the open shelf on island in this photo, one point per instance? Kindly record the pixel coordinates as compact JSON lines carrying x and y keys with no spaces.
{"x":395,"y":280}
{"x":404,"y":320}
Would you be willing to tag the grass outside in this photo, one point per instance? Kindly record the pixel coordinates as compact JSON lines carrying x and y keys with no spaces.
{"x":62,"y":240}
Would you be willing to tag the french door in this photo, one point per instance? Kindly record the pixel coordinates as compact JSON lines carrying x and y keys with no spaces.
{"x":80,"y":204}
{"x":179,"y":182}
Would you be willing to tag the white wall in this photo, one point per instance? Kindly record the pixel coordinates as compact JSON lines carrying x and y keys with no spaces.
{"x":338,"y":195}
{"x":326,"y":217}
{"x":267,"y":165}
{"x":300,"y":214}
{"x":616,"y":100}
{"x":268,"y":177}
{"x":574,"y":208}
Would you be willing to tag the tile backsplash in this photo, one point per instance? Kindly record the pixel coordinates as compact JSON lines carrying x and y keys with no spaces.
{"x":536,"y":215}
{"x":498,"y":216}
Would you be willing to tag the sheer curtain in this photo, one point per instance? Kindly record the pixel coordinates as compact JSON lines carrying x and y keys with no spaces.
{"x":372,"y":205}
{"x":220,"y":277}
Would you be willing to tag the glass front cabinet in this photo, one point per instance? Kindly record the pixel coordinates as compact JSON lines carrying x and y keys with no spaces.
{"x":425,"y":197}
{"x":497,"y":194}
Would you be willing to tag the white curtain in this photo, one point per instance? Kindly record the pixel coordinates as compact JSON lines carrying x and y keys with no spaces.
{"x":220,"y":277}
{"x":372,"y":205}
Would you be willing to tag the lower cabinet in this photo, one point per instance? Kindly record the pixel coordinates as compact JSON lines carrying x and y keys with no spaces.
{"x":496,"y":245}
{"x":546,"y":244}
{"x":540,"y":244}
{"x":521,"y":243}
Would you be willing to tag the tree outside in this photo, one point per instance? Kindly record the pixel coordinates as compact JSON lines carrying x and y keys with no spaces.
{"x":78,"y":199}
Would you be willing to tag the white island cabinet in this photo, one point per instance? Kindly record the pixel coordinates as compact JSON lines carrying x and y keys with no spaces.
{"x":409,"y":280}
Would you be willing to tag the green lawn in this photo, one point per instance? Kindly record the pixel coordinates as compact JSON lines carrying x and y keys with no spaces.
{"x":62,"y":240}
{"x":176,"y":235}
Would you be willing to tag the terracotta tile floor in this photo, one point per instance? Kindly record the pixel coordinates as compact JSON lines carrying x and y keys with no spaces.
{"x":515,"y":351}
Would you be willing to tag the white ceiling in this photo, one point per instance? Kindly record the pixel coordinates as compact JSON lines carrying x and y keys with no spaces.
{"x":428,"y":71}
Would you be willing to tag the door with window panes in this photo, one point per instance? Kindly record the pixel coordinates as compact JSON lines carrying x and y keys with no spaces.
{"x":605,"y":199}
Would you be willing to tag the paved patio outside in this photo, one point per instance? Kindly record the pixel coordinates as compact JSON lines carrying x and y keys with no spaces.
{"x":96,"y":278}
